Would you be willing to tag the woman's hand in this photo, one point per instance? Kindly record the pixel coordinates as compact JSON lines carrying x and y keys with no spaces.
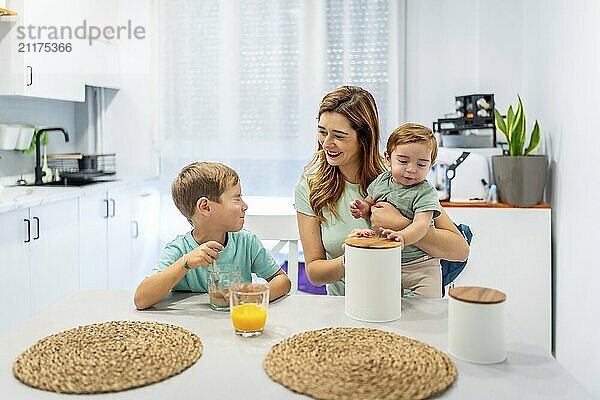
{"x":361,"y":233}
{"x":385,"y":215}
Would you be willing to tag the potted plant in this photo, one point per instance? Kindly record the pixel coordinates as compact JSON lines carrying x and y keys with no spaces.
{"x":520,"y":176}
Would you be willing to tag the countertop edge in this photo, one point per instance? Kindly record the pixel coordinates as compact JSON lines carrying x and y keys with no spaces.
{"x":43,"y":195}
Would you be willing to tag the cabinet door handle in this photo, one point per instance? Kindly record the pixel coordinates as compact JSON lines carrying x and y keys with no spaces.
{"x":37,"y":224}
{"x":30,"y":75}
{"x":107,"y":212}
{"x":28,"y":222}
{"x":114,"y":207}
{"x":136,"y":230}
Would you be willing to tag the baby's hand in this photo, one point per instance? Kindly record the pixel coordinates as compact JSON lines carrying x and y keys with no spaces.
{"x":359,"y":208}
{"x":362,"y":233}
{"x":391,"y":234}
{"x":204,"y":255}
{"x":354,"y":210}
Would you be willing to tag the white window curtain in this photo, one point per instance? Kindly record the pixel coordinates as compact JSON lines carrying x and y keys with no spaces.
{"x":240,"y":81}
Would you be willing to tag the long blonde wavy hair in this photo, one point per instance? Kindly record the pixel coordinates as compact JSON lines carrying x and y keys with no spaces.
{"x":325,"y":182}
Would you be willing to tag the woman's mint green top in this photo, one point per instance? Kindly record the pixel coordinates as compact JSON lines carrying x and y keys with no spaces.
{"x":333,"y":230}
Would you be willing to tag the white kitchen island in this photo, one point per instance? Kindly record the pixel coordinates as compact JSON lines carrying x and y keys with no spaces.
{"x":231,"y":367}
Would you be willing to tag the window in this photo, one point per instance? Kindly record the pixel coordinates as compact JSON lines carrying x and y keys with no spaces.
{"x":241,"y":81}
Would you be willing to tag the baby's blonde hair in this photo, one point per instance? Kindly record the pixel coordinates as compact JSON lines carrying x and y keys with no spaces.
{"x":412,"y":133}
{"x":201,"y":179}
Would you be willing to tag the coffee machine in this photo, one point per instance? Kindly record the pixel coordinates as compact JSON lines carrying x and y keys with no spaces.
{"x":472,"y":125}
{"x":467,"y":137}
{"x":460,"y":176}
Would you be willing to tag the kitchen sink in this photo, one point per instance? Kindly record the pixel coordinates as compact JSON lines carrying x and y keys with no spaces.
{"x":67,"y":182}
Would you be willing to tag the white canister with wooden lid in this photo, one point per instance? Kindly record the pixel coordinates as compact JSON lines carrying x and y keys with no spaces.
{"x":476,"y":324}
{"x":373,"y":279}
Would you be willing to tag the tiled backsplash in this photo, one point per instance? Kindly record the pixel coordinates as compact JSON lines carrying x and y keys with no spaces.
{"x":42,"y":112}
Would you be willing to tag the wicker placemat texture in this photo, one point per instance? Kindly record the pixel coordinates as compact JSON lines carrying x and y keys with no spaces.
{"x":358,"y":363}
{"x":107,"y":357}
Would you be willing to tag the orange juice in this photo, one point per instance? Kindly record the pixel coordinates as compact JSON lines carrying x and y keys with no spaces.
{"x":248,"y":317}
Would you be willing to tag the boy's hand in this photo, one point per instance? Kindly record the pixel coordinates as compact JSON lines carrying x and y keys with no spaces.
{"x":391,"y":234}
{"x":204,"y":255}
{"x":359,"y":208}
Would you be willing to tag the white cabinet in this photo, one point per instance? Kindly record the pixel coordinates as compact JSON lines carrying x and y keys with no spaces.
{"x":105,"y":245}
{"x":15,"y":300}
{"x":103,"y":65}
{"x":100,"y":60}
{"x":120,"y":269}
{"x":145,"y":211}
{"x":511,"y":251}
{"x":39,"y":259}
{"x":100,"y":240}
{"x":46,"y":52}
{"x":53,"y":252}
{"x":93,"y":217}
{"x":32,"y":64}
{"x":119,"y":236}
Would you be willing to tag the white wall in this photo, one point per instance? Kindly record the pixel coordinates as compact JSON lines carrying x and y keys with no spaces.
{"x":548,"y":52}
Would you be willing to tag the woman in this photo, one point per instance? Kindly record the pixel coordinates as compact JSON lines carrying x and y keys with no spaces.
{"x":346,"y":162}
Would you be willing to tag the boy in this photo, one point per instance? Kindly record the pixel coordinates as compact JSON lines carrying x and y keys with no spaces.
{"x":209,"y":195}
{"x":410,"y":151}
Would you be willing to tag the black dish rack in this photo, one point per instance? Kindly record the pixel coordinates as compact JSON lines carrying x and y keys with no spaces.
{"x":83,"y":167}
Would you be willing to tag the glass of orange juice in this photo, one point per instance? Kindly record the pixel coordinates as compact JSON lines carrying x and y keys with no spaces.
{"x":248,"y":304}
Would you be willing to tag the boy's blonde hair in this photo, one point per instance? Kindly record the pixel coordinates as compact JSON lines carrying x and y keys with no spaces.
{"x":412,"y":133}
{"x":201,"y":179}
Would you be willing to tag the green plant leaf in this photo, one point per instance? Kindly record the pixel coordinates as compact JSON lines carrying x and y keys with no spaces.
{"x":518,"y":134}
{"x":500,"y":125}
{"x":510,"y":118}
{"x":535,"y":139}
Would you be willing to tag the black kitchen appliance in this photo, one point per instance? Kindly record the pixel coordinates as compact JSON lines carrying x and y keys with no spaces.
{"x":472,"y":124}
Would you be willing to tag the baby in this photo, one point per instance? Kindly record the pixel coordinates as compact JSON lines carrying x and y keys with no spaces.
{"x":410,"y":151}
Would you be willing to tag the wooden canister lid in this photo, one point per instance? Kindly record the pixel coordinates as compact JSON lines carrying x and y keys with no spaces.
{"x":371,"y":243}
{"x":475,"y":294}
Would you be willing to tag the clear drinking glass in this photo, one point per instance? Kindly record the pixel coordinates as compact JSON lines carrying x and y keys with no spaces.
{"x":249,"y":303}
{"x":219,"y":281}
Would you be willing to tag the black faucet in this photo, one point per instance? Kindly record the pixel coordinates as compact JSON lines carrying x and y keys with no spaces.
{"x":38,"y":163}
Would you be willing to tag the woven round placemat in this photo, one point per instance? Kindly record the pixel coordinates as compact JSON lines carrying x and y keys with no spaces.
{"x":358,"y":363}
{"x":107,"y":357}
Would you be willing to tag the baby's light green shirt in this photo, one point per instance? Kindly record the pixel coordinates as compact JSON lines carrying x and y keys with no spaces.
{"x":408,"y":200}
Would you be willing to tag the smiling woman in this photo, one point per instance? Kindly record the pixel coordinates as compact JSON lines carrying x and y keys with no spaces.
{"x":347,"y":160}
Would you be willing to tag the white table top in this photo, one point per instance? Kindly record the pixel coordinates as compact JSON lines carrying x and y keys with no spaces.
{"x":231,"y":366}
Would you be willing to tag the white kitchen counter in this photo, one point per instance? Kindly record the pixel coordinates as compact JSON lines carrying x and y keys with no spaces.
{"x":231,"y":366}
{"x":16,"y":197}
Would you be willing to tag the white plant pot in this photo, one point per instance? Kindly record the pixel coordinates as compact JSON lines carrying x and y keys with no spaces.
{"x":9,"y":135}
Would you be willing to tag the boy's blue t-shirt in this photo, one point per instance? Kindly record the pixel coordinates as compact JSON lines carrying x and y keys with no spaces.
{"x":243,"y":249}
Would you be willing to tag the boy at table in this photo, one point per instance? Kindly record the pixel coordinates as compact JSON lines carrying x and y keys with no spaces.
{"x":209,"y":195}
